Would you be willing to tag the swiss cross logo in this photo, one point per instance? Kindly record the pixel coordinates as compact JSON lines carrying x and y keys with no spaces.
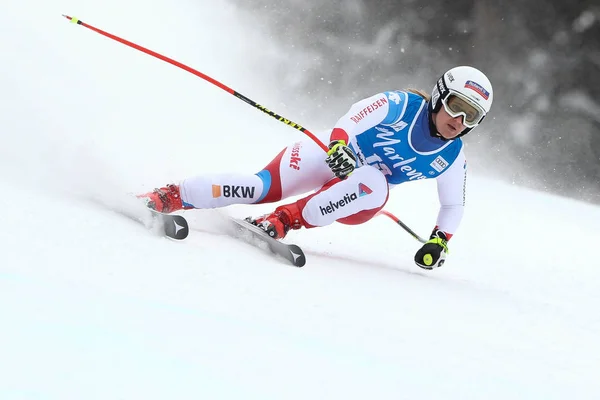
{"x":395,"y":97}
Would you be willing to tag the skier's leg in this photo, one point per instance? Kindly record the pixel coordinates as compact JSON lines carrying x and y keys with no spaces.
{"x":296,"y":169}
{"x":352,"y":201}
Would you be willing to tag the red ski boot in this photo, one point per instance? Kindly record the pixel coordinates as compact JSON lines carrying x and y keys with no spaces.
{"x":279,"y":222}
{"x":165,"y":200}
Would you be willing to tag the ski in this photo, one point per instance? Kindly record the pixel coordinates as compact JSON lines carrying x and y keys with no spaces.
{"x":257,"y":237}
{"x":170,"y":225}
{"x":173,"y":226}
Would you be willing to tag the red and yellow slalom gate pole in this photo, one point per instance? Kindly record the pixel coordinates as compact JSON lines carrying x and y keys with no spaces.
{"x":233,"y":92}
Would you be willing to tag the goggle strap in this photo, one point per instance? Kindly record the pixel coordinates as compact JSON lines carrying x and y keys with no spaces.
{"x":442,"y":88}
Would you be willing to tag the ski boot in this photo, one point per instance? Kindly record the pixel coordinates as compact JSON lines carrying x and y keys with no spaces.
{"x":164,"y":200}
{"x":279,"y":222}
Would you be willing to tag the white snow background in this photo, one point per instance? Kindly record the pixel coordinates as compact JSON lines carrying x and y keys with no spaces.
{"x":93,"y":306}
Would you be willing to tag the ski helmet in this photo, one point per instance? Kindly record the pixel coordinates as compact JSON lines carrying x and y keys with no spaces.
{"x":462,"y":91}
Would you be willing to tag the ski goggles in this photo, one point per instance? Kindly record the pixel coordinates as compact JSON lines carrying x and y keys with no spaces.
{"x":456,"y":104}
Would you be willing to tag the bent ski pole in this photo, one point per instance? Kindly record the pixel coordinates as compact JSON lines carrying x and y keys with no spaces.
{"x":203,"y":76}
{"x":231,"y":91}
{"x":402,"y":224}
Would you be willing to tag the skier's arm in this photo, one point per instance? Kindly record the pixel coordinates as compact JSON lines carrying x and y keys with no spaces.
{"x":364,"y":115}
{"x":451,"y":186}
{"x":451,"y":192}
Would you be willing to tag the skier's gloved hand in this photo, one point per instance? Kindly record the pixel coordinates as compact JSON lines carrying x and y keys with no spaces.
{"x":433,"y":253}
{"x":341,"y":159}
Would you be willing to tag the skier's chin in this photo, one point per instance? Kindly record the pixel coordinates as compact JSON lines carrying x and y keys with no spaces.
{"x":450,"y":132}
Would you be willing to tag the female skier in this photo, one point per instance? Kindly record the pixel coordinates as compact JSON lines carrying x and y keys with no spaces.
{"x":382,"y":141}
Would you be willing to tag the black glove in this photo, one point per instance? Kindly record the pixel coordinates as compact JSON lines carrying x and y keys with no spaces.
{"x":433,"y":253}
{"x":341,"y":159}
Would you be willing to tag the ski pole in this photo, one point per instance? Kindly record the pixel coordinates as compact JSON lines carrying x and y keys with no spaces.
{"x":231,"y":91}
{"x":402,"y":224}
{"x":203,"y":76}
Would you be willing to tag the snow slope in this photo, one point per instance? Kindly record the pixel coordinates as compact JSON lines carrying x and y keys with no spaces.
{"x":93,"y":306}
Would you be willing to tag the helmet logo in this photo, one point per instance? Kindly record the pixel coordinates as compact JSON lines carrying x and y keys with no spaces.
{"x":450,"y":77}
{"x":442,"y":86}
{"x":477,"y":88}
